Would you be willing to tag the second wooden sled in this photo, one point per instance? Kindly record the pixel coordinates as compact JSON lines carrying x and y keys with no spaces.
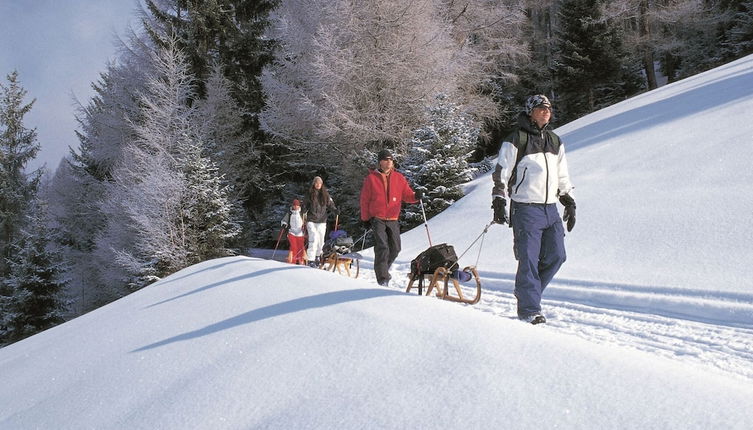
{"x":341,"y":263}
{"x":440,"y":279}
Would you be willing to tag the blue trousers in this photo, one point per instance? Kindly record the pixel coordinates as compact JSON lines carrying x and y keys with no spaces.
{"x":539,"y":245}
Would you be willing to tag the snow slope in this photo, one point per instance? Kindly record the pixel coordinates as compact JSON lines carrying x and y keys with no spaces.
{"x":250,"y":343}
{"x":650,"y":319}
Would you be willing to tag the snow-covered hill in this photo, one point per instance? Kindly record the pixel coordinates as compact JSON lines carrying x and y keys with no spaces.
{"x":650,"y":319}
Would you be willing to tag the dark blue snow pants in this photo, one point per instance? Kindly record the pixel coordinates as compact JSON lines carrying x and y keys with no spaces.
{"x":539,"y":245}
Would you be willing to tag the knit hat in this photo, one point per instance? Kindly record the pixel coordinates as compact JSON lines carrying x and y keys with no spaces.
{"x":384,"y":154}
{"x":536,"y":101}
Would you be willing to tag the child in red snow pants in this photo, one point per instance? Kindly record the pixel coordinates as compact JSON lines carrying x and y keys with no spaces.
{"x":297,"y":253}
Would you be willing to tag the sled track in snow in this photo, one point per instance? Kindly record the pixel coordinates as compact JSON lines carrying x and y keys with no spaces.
{"x":726,"y":349}
{"x":700,"y":328}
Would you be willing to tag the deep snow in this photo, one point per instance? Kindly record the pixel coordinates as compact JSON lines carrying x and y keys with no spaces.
{"x":650,"y":319}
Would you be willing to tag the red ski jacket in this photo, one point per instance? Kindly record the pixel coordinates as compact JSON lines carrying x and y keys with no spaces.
{"x":382,"y":195}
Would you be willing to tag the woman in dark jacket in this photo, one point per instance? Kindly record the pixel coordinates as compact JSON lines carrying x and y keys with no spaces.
{"x":316,"y":202}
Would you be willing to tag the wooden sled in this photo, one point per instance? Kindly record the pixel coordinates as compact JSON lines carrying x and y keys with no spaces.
{"x":341,"y":263}
{"x":440,"y":279}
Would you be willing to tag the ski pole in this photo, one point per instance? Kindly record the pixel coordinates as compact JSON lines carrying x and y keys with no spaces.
{"x":337,"y":219}
{"x":279,"y":236}
{"x":426,"y":223}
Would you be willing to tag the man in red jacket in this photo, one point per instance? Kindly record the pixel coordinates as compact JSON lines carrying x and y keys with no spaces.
{"x":383,"y":192}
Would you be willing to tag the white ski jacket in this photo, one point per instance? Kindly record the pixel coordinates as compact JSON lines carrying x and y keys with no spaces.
{"x":294,"y":221}
{"x":541,"y":175}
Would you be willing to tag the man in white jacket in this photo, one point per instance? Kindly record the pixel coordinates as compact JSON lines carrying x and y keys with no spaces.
{"x":532,"y":172}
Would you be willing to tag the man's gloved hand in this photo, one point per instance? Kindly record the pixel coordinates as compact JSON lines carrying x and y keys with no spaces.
{"x":498,"y":204}
{"x":366,"y":224}
{"x":419,"y":194}
{"x":569,"y":203}
{"x":284,"y":224}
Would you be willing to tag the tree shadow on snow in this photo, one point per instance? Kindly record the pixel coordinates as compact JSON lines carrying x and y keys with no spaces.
{"x":219,"y":265}
{"x":230,"y":280}
{"x":271,"y":311}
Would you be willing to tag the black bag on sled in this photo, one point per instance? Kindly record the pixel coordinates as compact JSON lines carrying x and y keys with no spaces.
{"x":339,"y":242}
{"x":442,"y":255}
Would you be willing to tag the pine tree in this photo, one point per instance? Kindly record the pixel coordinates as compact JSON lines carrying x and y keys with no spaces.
{"x":437,"y":160}
{"x":18,"y":146}
{"x":35,"y":283}
{"x":101,"y":250}
{"x":740,"y":36}
{"x":165,"y":208}
{"x":228,"y":35}
{"x":105,"y":120}
{"x":77,"y":188}
{"x":593,"y":69}
{"x":207,"y":213}
{"x":75,"y":223}
{"x":226,"y":32}
{"x":230,"y":145}
{"x":79,"y":184}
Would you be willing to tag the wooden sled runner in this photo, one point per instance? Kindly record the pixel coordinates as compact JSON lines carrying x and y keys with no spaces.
{"x":437,"y":264}
{"x":440,"y":279}
{"x":342,"y":263}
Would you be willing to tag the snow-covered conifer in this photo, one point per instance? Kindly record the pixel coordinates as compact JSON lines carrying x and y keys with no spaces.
{"x":593,"y":67}
{"x":437,"y":160}
{"x":161,"y":192}
{"x":78,"y":186}
{"x":34,"y":284}
{"x":208,"y":213}
{"x":75,"y":222}
{"x":227,"y":141}
{"x":740,"y":38}
{"x":18,"y":146}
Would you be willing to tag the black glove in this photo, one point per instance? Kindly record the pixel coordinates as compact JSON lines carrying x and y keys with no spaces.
{"x":284,"y":224}
{"x":498,"y":204}
{"x":419,"y":194}
{"x":569,"y":216}
{"x":366,"y":224}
